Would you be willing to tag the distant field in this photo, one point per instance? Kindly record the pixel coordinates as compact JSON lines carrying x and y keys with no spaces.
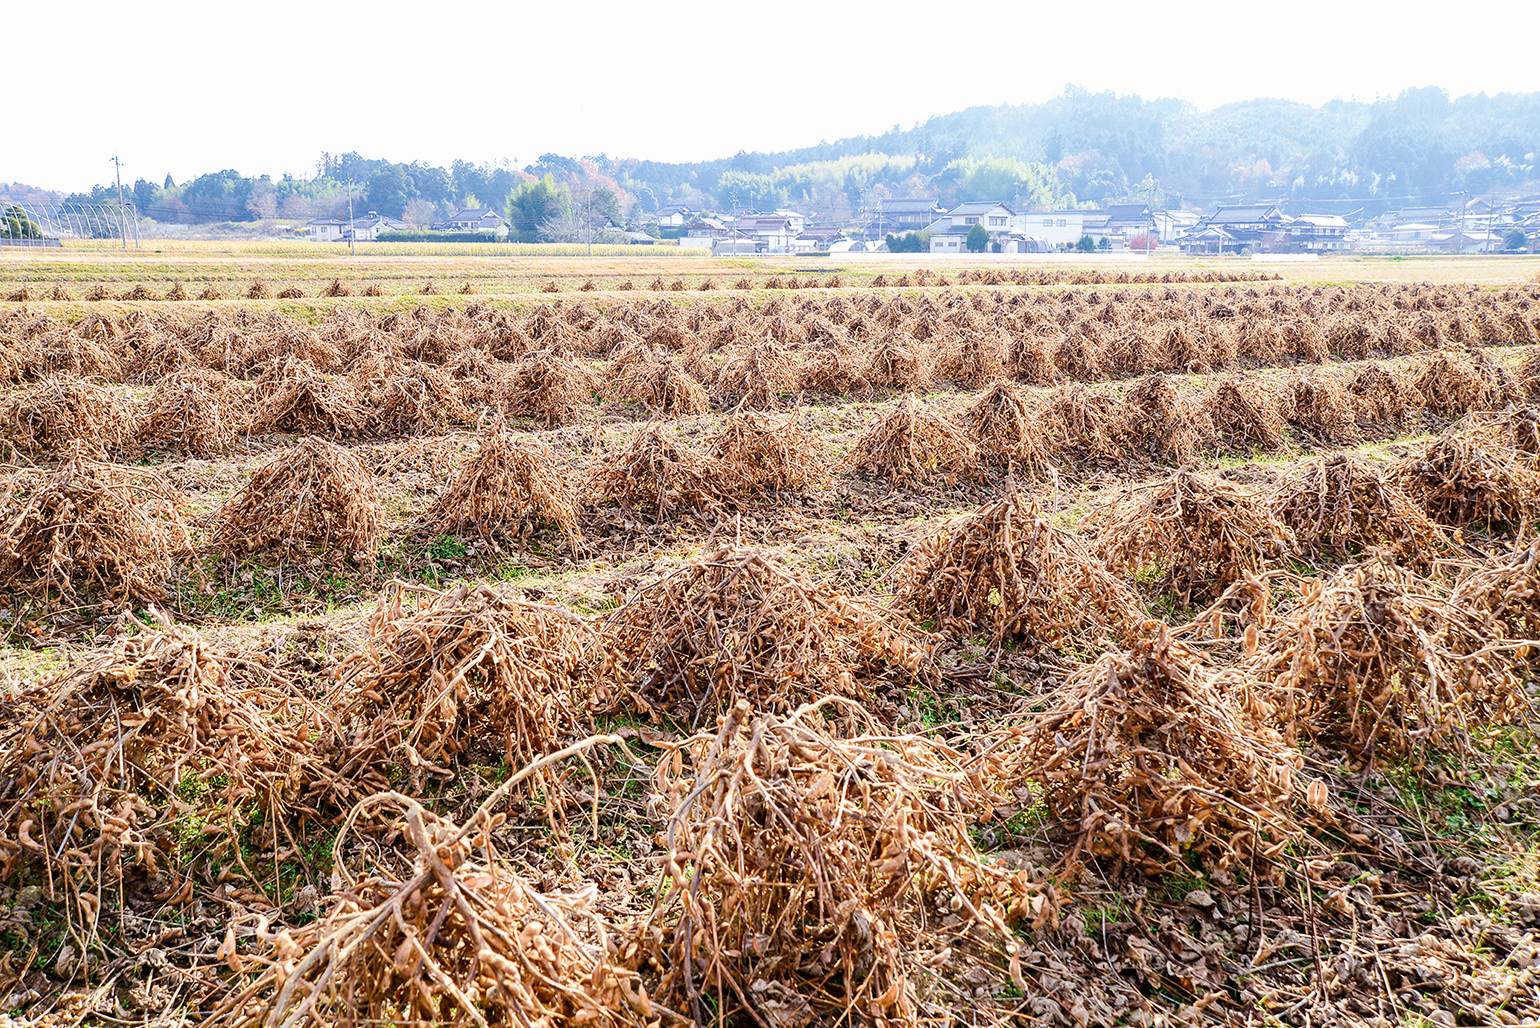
{"x":397,"y":270}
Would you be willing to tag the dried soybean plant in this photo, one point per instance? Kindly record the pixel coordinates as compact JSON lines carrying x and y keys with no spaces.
{"x":911,"y":446}
{"x":105,"y":764}
{"x":1472,"y":478}
{"x":804,"y":871}
{"x":1166,"y":426}
{"x":1321,"y":407}
{"x":1386,"y":662}
{"x":418,"y":399}
{"x":1010,"y":571}
{"x":508,"y":489}
{"x":48,"y":420}
{"x":292,"y":395}
{"x":467,"y":670}
{"x":757,"y":375}
{"x":549,"y":385}
{"x":1341,"y":506}
{"x":1148,"y":755}
{"x":660,"y":478}
{"x":1246,"y":415}
{"x":315,"y":498}
{"x":90,"y":530}
{"x":1455,"y":382}
{"x":769,"y":453}
{"x":461,"y":938}
{"x":196,"y":412}
{"x":1006,"y":427}
{"x":738,"y":623}
{"x":659,"y":383}
{"x":1198,"y":535}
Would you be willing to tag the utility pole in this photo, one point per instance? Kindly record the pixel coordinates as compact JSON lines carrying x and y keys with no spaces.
{"x":122,"y":219}
{"x":350,"y":218}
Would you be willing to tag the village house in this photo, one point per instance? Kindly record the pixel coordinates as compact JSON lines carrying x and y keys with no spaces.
{"x":1258,"y":227}
{"x":949,"y":234}
{"x":1317,"y":233}
{"x":475,"y":219}
{"x":896,"y":217}
{"x":674,"y":215}
{"x":365,"y":228}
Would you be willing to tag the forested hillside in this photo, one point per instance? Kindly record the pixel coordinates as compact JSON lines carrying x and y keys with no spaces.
{"x":1078,"y":148}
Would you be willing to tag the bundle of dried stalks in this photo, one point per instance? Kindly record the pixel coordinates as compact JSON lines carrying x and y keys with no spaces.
{"x":1383,"y":398}
{"x":461,"y":938}
{"x":210,"y":292}
{"x":259,"y":291}
{"x":899,"y":362}
{"x":1196,"y":534}
{"x":1321,"y":408}
{"x":337,"y":288}
{"x":111,"y":760}
{"x":1084,"y":426}
{"x":63,"y":412}
{"x":312,"y":498}
{"x":1465,"y":478}
{"x":972,"y":359}
{"x":418,"y":400}
{"x":1385,"y":662}
{"x":1245,"y":415}
{"x":90,"y":530}
{"x":177,"y":291}
{"x":508,"y":490}
{"x":1341,"y":506}
{"x":660,"y":478}
{"x":195,"y":412}
{"x":738,"y":623}
{"x":757,"y":375}
{"x":768,"y":454}
{"x":467,"y":671}
{"x":294,"y":396}
{"x":1008,"y":570}
{"x":549,"y":385}
{"x":1004,"y":424}
{"x":1504,"y":590}
{"x":291,"y":293}
{"x":836,"y":368}
{"x":800,"y":868}
{"x":1170,"y":428}
{"x":1455,"y":382}
{"x":1147,"y":755}
{"x":659,"y":383}
{"x":911,"y":446}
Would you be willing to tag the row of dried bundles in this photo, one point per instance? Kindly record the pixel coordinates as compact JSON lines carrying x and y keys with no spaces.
{"x":1040,"y":337}
{"x":90,"y":531}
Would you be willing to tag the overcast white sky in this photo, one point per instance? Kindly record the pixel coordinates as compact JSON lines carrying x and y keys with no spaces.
{"x":190,"y":86}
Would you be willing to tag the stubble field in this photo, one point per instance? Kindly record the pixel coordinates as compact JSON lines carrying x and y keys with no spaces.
{"x":666,"y":640}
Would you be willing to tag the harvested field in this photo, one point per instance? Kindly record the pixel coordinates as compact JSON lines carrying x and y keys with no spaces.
{"x":651,"y":642}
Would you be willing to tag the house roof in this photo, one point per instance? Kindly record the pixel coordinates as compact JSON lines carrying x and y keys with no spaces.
{"x":1240,"y":214}
{"x":476,"y":214}
{"x":1129,"y":212}
{"x":1323,"y":220}
{"x":978,"y":207}
{"x":908,"y":206}
{"x":673,"y":208}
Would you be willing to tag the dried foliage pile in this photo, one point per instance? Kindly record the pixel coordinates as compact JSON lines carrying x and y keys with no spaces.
{"x":659,"y":383}
{"x":1149,"y":754}
{"x":1169,"y":428}
{"x":739,"y":624}
{"x":1004,"y":424}
{"x":418,"y":400}
{"x":62,"y":412}
{"x":195,"y":412}
{"x":1472,"y":477}
{"x":1009,"y":571}
{"x":803,"y":872}
{"x":911,"y":446}
{"x":509,"y":489}
{"x":1198,"y":536}
{"x":1384,"y":662}
{"x":315,"y":498}
{"x":466,"y":672}
{"x":549,"y":385}
{"x":1455,"y":382}
{"x":105,"y":763}
{"x":654,"y":475}
{"x":1342,"y":506}
{"x":89,"y":530}
{"x":768,"y":454}
{"x":294,"y":396}
{"x":460,"y":937}
{"x":1246,"y":415}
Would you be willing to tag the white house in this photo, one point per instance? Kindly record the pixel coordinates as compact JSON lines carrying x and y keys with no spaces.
{"x":364,"y":228}
{"x":477,"y":219}
{"x":327,"y":230}
{"x":673,"y":216}
{"x":1056,"y":227}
